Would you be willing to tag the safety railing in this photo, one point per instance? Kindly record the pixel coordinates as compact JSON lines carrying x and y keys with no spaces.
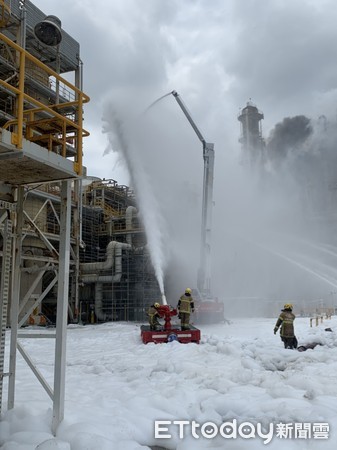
{"x":47,"y":119}
{"x":319,"y":317}
{"x":108,"y":210}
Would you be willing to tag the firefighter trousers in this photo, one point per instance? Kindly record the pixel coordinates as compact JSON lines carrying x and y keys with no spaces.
{"x":289,"y":342}
{"x":185,"y":320}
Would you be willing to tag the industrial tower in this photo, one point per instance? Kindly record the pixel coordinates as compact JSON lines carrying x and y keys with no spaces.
{"x":251,"y":135}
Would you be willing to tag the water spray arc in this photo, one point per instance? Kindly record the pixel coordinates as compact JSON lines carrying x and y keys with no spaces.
{"x":156,"y":101}
{"x":317,"y":269}
{"x":204,"y":272}
{"x":189,"y":333}
{"x":147,"y":201}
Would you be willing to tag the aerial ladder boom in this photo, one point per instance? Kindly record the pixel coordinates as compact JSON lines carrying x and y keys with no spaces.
{"x":204,"y":273}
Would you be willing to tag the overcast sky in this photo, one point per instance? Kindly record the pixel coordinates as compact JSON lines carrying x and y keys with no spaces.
{"x":216,"y":53}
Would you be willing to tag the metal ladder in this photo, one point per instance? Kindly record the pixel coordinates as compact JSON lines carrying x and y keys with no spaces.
{"x":4,"y":295}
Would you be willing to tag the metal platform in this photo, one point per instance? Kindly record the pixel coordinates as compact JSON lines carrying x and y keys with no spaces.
{"x":32,"y":164}
{"x":162,"y":337}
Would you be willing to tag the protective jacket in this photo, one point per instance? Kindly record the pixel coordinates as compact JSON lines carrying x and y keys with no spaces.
{"x":186,"y":304}
{"x":153,"y":315}
{"x":286,"y":322}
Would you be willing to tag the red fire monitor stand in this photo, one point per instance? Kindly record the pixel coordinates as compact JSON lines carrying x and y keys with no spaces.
{"x":169,"y":332}
{"x":175,"y":334}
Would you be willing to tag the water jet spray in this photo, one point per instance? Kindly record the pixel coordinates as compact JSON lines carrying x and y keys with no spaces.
{"x":149,"y":209}
{"x":204,"y":272}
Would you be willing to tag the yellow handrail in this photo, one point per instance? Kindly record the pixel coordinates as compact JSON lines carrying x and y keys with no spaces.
{"x":66,"y":129}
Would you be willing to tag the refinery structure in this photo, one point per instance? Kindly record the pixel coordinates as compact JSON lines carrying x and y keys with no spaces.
{"x":72,"y":248}
{"x":252,"y":143}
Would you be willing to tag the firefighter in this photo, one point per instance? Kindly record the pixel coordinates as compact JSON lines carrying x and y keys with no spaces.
{"x":153,"y":315}
{"x":185,"y":307}
{"x":286,"y":322}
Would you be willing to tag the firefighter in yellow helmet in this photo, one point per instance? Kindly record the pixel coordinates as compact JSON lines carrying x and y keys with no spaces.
{"x":153,"y":316}
{"x":185,"y":307}
{"x":286,"y":322}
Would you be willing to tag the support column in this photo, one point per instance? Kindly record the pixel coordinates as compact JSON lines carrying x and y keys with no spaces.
{"x":4,"y":294}
{"x":15,"y":301}
{"x":62,"y":306}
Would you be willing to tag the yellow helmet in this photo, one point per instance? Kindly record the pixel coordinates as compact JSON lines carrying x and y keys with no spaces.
{"x":156,"y":305}
{"x":188,"y":291}
{"x":288,"y":306}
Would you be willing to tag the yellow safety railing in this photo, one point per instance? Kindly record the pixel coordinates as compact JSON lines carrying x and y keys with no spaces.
{"x":108,"y":209}
{"x":48,"y":125}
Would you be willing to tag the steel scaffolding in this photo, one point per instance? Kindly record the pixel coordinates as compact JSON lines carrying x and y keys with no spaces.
{"x":110,"y":215}
{"x":41,"y":133}
{"x":68,"y":252}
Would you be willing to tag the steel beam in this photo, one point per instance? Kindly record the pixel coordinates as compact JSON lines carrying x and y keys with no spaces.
{"x":4,"y":295}
{"x":15,"y":301}
{"x":62,"y":306}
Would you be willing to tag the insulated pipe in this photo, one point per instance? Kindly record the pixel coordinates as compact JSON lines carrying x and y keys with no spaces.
{"x":112,"y":247}
{"x":115,"y":278}
{"x":100,"y":279}
{"x":95,"y":278}
{"x":104,"y":265}
{"x":120,"y":246}
{"x":130,"y":210}
{"x":118,"y":259}
{"x":99,"y":303}
{"x":116,"y":248}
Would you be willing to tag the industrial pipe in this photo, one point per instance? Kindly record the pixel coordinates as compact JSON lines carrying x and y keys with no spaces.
{"x":108,"y":263}
{"x":130,"y":211}
{"x":114,"y":259}
{"x":99,"y":303}
{"x":96,"y":278}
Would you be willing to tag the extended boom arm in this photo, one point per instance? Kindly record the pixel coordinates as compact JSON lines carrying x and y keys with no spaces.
{"x":204,"y":274}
